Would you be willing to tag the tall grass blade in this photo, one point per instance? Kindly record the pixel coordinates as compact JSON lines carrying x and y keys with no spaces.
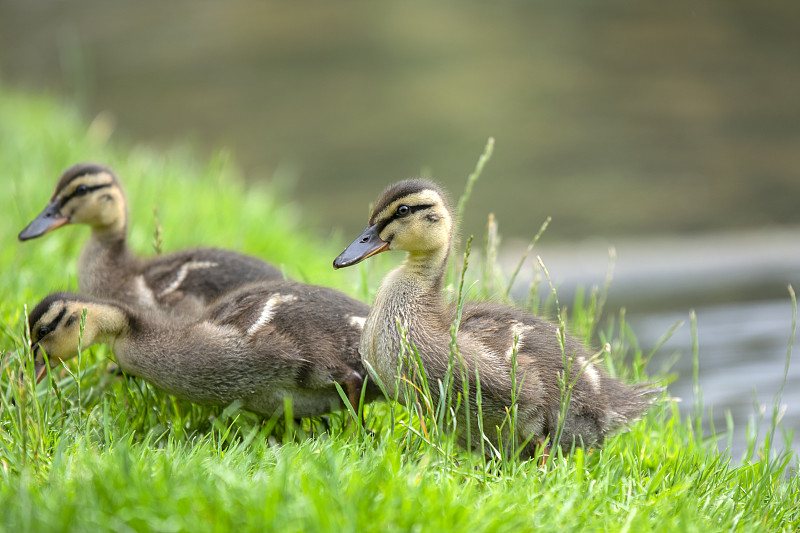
{"x":697,"y":402}
{"x":776,"y":407}
{"x":522,"y":259}
{"x":473,"y":177}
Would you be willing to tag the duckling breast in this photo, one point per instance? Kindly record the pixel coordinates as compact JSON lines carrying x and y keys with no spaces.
{"x":398,"y":311}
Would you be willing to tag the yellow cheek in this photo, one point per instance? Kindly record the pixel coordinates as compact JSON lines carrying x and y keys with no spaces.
{"x":47,"y":348}
{"x":79,"y":214}
{"x":90,"y":212}
{"x":403,"y":241}
{"x":62,"y":348}
{"x":112,"y":211}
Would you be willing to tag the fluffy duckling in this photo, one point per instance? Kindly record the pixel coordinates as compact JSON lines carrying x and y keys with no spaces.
{"x":181,"y":282}
{"x":257,"y":344}
{"x":413,"y":216}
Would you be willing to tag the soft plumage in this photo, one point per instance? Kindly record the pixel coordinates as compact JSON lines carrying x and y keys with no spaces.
{"x":257,"y":345}
{"x":180,"y":282}
{"x":413,"y":216}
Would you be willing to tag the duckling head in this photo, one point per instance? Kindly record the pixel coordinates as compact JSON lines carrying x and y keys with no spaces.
{"x":55,"y":326}
{"x":411,"y":215}
{"x":87,"y":193}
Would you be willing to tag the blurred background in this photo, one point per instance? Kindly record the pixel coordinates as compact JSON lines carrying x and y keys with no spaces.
{"x":668,"y":131}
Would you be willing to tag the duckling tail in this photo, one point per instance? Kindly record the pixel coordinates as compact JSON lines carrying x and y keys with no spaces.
{"x":631,"y":402}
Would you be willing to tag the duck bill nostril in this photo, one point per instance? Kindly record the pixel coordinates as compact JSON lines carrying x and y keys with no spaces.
{"x":366,"y":245}
{"x":49,"y":219}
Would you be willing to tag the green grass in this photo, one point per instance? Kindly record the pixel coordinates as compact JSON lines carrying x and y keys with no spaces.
{"x":97,"y":452}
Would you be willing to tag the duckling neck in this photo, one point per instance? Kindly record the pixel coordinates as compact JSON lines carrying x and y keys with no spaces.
{"x":105,"y":251}
{"x":426,"y":267}
{"x":107,"y":239}
{"x":410,"y":295}
{"x":104,"y":323}
{"x":111,"y":233}
{"x":139,"y":341}
{"x":143,"y":346}
{"x":416,"y":284}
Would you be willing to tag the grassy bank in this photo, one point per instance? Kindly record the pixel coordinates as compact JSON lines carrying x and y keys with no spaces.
{"x":99,"y":452}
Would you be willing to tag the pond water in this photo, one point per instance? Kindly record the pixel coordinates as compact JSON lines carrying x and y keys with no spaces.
{"x":737,"y":285}
{"x":614,"y":118}
{"x":742,"y":357}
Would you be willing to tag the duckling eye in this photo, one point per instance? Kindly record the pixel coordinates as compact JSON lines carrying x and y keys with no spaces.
{"x":44,"y":330}
{"x":403,"y":210}
{"x":80,"y":190}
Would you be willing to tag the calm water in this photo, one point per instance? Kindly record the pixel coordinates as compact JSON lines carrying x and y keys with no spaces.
{"x":623,"y":121}
{"x":743,"y":310}
{"x":615,"y":118}
{"x":742,"y":359}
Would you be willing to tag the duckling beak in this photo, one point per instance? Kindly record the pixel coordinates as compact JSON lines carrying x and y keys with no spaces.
{"x":366,"y":245}
{"x":49,"y":219}
{"x":39,"y":371}
{"x":39,"y":364}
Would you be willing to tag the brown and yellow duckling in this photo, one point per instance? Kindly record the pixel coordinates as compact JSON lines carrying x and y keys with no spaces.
{"x":90,"y":194}
{"x":413,"y":216}
{"x":258,"y":344}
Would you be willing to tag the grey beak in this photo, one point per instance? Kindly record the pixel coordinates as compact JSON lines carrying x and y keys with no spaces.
{"x":49,"y":219}
{"x":366,"y":245}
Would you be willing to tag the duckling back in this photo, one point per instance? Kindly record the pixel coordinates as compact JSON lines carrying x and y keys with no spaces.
{"x":598,"y":405}
{"x":311,"y":334}
{"x":507,"y":350}
{"x":258,"y":345}
{"x":183,"y":282}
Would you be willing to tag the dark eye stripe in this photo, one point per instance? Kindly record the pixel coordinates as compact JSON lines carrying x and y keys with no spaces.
{"x":52,"y":325}
{"x":413,"y":209}
{"x":88,"y":190}
{"x":396,"y":215}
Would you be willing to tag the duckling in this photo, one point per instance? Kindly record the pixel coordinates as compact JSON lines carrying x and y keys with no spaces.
{"x":181,"y":282}
{"x":257,"y":344}
{"x":413,"y":216}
